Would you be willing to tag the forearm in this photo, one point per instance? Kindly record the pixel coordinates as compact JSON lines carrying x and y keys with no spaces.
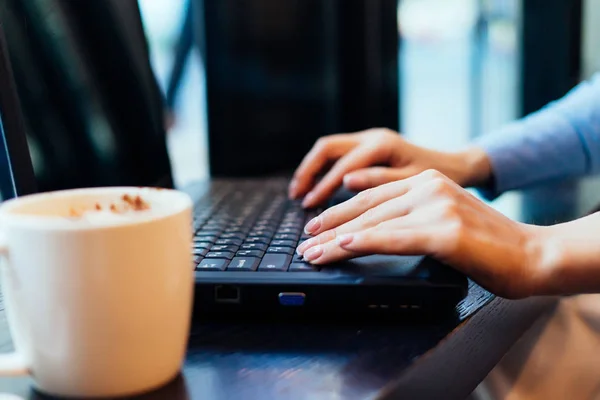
{"x":570,"y":257}
{"x":560,"y":141}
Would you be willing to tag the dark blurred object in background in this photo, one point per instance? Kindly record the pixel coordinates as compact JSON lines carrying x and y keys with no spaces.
{"x":279,"y":74}
{"x":93,"y":111}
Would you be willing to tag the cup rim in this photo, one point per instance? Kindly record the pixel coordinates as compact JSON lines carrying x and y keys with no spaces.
{"x":180,"y":201}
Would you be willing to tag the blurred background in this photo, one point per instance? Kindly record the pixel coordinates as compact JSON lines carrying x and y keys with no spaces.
{"x":459,"y":75}
{"x":244,"y":88}
{"x":451,"y":53}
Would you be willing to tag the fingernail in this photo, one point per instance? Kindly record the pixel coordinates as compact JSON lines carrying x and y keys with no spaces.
{"x":308,"y":200}
{"x":312,"y":225}
{"x":348,"y":179}
{"x":305,"y":245}
{"x":346,"y":239}
{"x":353,"y":180}
{"x":313,"y":253}
{"x":292,"y":189}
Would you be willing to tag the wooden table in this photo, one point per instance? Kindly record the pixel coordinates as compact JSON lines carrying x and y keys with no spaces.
{"x":342,"y":360}
{"x":440,"y":358}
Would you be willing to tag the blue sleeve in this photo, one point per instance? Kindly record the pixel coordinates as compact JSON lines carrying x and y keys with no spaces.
{"x":561,"y":140}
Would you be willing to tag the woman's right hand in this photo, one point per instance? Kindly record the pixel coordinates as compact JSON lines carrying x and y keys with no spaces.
{"x":374,"y":157}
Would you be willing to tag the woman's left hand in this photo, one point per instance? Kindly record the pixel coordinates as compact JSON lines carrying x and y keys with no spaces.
{"x":429,"y":214}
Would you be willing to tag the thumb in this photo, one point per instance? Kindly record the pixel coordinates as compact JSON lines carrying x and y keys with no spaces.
{"x":370,"y":177}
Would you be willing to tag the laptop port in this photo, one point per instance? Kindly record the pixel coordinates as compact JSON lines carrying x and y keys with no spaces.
{"x":227,"y":294}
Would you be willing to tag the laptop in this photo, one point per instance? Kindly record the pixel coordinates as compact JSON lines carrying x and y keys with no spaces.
{"x":245,"y":232}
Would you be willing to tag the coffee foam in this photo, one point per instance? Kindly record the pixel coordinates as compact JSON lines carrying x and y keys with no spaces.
{"x":107,"y":216}
{"x":93,"y":207}
{"x":127,"y":206}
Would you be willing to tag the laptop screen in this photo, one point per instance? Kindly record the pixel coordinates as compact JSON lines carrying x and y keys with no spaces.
{"x":91,"y":108}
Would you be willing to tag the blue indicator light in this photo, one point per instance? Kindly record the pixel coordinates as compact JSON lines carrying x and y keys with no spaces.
{"x":291,"y":298}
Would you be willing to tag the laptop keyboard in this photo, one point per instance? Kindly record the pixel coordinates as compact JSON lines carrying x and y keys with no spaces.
{"x":249,"y":230}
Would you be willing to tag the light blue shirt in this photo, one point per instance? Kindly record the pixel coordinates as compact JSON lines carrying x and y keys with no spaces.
{"x":562,"y":140}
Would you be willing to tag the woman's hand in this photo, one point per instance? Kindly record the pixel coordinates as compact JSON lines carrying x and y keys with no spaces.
{"x":430,"y":214}
{"x":355,"y":155}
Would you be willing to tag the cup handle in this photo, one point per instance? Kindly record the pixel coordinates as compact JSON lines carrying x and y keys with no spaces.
{"x":11,"y":364}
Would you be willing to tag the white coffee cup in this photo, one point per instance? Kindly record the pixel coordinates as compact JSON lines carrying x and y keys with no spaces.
{"x":98,"y":305}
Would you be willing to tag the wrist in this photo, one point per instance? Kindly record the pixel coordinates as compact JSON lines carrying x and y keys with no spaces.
{"x":570,"y":258}
{"x":542,"y":260}
{"x":473,"y":167}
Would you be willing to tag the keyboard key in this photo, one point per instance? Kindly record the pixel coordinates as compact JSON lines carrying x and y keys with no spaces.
{"x":201,"y":245}
{"x":298,"y":258}
{"x":256,"y":239}
{"x":234,"y":242}
{"x":220,"y":254}
{"x":294,"y":231}
{"x":293,"y":219}
{"x":222,"y":247}
{"x":269,"y":214}
{"x":268,"y":221}
{"x":250,"y":253}
{"x":197,"y":260}
{"x":213,"y":227}
{"x":243,"y":264}
{"x":303,"y":267}
{"x":232,"y":236}
{"x":284,"y":243}
{"x":207,"y":232}
{"x":290,"y":225}
{"x":283,"y":250}
{"x":212,"y":264}
{"x":275,"y":262}
{"x":218,"y":222}
{"x":293,"y":216}
{"x":239,"y":223}
{"x":285,"y":236}
{"x":265,"y":224}
{"x":262,"y":233}
{"x":236,"y":231}
{"x":223,"y":214}
{"x":204,"y":232}
{"x":254,"y":246}
{"x":205,"y":238}
{"x":199,"y":252}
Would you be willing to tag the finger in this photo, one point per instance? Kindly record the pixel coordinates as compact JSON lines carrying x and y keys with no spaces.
{"x":315,"y":241}
{"x":371,"y":241}
{"x":398,"y":213}
{"x":359,"y":157}
{"x":370,"y":177}
{"x":326,"y":149}
{"x":409,"y":241}
{"x":360,"y":203}
{"x":390,"y":210}
{"x":417,"y":218}
{"x":328,"y":252}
